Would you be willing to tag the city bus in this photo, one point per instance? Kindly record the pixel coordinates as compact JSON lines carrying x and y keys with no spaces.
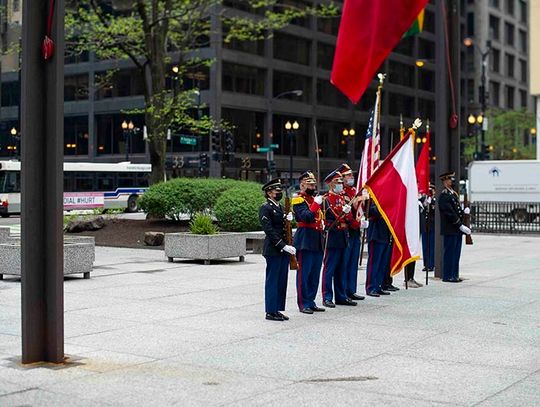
{"x":86,"y":186}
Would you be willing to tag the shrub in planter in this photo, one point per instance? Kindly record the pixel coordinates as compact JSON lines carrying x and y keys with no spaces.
{"x":237,"y":210}
{"x":202,"y":224}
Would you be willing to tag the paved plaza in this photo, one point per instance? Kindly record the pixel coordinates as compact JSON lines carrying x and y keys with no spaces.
{"x":145,"y":332}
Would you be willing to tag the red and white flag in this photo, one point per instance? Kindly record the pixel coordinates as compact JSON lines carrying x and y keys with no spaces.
{"x":372,"y":146}
{"x":422,"y":165}
{"x":394,"y":190}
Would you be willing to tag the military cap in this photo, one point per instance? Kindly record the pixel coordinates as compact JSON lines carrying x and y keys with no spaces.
{"x":274,"y":184}
{"x":308,"y":178}
{"x":334,"y":176}
{"x":447,"y":175}
{"x":344,"y":169}
{"x":431,"y":186}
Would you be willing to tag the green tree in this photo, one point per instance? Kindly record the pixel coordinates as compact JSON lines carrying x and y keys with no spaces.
{"x":151,"y":32}
{"x":509,"y":133}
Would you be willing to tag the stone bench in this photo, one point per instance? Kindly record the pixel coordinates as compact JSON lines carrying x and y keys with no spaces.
{"x":205,"y":247}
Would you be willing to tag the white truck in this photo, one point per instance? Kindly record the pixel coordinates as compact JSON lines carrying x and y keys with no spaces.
{"x":516,"y":182}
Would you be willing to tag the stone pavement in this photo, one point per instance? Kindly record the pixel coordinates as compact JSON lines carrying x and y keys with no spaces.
{"x":144,"y":332}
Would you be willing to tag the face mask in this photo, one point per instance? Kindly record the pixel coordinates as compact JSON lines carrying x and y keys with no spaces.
{"x":311,"y":192}
{"x":350,"y":182}
{"x":338,"y":188}
{"x":278,"y":196}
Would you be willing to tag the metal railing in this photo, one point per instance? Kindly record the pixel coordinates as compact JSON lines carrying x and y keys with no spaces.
{"x":505,"y":217}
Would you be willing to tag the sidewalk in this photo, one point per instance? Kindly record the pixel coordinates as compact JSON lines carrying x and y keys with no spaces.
{"x":145,"y":332}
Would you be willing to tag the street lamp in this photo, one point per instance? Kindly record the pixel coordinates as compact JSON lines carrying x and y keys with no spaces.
{"x":127,"y":129}
{"x":349,"y":134}
{"x":291,"y":129}
{"x":476,"y":121}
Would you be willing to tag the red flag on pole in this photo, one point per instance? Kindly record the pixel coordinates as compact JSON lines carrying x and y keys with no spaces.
{"x":369,"y":31}
{"x":422,"y":166}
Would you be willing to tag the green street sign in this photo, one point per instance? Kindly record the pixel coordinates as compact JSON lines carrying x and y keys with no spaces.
{"x":263,"y":149}
{"x":190,"y":141}
{"x":274,"y":145}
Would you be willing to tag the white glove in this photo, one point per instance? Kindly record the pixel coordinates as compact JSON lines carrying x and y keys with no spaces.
{"x":466,"y":211}
{"x":465,"y":229}
{"x":365,"y":194}
{"x":318,"y":199}
{"x":346,"y":209}
{"x":290,"y":216}
{"x":290,"y":249}
{"x":364,"y":224}
{"x":428,"y":199}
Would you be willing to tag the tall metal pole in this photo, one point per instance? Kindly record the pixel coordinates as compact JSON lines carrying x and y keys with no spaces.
{"x":290,"y":158}
{"x":42,"y":185}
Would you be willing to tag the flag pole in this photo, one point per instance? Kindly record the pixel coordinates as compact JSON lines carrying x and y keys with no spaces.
{"x":427,"y":218}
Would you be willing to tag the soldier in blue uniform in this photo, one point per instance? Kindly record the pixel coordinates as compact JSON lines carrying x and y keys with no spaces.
{"x":427,"y":228}
{"x":452,"y":228}
{"x":336,"y":215}
{"x":308,"y":241}
{"x":379,"y":253}
{"x":276,"y":251}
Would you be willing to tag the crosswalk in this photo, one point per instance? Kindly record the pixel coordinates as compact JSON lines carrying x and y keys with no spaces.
{"x":15,"y":229}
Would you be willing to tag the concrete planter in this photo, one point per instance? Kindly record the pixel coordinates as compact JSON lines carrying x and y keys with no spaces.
{"x":4,"y":234}
{"x":205,"y":247}
{"x":79,"y":256}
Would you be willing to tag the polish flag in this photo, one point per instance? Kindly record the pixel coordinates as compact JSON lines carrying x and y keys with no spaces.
{"x":394,"y":190}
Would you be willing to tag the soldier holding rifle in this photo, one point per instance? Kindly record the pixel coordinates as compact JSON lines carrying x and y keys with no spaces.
{"x":276,"y":251}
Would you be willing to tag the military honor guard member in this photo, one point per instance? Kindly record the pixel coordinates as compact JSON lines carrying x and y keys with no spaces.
{"x":427,"y":228}
{"x":452,"y":228}
{"x":276,"y":251}
{"x":308,"y":241}
{"x":336,"y":213}
{"x":352,"y":254}
{"x":379,"y":253}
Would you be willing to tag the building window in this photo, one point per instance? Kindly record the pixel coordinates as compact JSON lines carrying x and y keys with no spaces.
{"x":10,"y":94}
{"x":111,"y":139}
{"x":76,"y":88}
{"x":76,"y":135}
{"x":523,"y":98}
{"x":328,"y":25}
{"x":243,"y":79}
{"x":426,"y":49}
{"x":401,"y":104}
{"x":494,"y":3}
{"x":495,"y":59}
{"x":329,"y":95}
{"x":301,"y":136}
{"x":119,"y":84}
{"x":470,"y":90}
{"x":401,"y":74}
{"x":494,"y":93}
{"x":325,"y":55}
{"x":405,"y":46}
{"x":295,"y":4}
{"x":284,"y":82}
{"x":429,"y":22}
{"x":523,"y":41}
{"x":250,"y":47}
{"x":523,"y":70}
{"x":291,"y":48}
{"x":470,"y":24}
{"x":426,"y":80}
{"x":509,"y":34}
{"x":510,"y":97}
{"x":510,"y":7}
{"x":243,"y":6}
{"x":426,"y":109}
{"x":523,"y":11}
{"x":494,"y":27}
{"x":248,"y":129}
{"x":330,"y":138}
{"x":510,"y":65}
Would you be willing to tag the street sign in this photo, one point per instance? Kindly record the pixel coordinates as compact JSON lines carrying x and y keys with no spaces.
{"x":190,"y":141}
{"x":263,"y":149}
{"x":274,"y":145}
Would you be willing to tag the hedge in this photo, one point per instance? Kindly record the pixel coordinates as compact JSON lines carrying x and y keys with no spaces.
{"x":238,"y":209}
{"x":187,"y":196}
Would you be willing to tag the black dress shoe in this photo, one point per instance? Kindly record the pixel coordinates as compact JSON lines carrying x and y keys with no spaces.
{"x":390,"y":288}
{"x":356,"y":297}
{"x":373,"y":294}
{"x":306,"y":311}
{"x":317,"y":309}
{"x":273,"y":316}
{"x":285,"y":317}
{"x":382,"y":292}
{"x":347,"y":301}
{"x":329,"y":304}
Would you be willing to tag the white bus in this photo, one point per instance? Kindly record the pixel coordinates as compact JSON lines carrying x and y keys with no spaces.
{"x":86,"y":186}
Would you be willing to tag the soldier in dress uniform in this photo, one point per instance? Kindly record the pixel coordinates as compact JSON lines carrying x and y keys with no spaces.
{"x":308,"y":241}
{"x":452,"y":228}
{"x":427,"y":228}
{"x":379,"y":253}
{"x":336,"y":214}
{"x":352,"y":255}
{"x":276,"y":251}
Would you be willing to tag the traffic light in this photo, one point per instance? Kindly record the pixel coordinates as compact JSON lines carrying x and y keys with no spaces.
{"x":216,"y":156}
{"x":204,"y":163}
{"x":215,"y":139}
{"x":271,"y":166}
{"x":229,"y":141}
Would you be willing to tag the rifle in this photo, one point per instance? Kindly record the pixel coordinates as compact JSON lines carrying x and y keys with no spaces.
{"x":293,"y":264}
{"x":467,"y":219}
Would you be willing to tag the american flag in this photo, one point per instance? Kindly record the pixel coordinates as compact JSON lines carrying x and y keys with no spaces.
{"x":372,"y":146}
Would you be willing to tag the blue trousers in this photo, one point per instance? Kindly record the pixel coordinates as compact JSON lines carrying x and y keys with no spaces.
{"x":429,"y":258}
{"x":451,"y":255}
{"x":307,"y":277}
{"x":378,"y":264}
{"x":334,"y":270}
{"x":352,"y":255}
{"x":275,"y":286}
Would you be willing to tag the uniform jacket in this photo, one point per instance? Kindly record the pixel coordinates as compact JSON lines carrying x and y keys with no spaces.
{"x":350,"y":193}
{"x":332,"y":207}
{"x":309,"y":219}
{"x":272,"y":220}
{"x":450,"y":212}
{"x":377,"y":229}
{"x":427,"y":215}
